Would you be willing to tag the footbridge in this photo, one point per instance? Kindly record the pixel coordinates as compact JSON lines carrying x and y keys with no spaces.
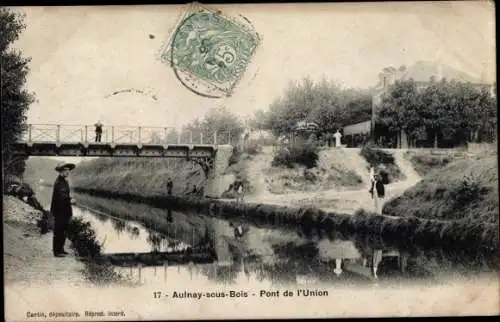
{"x":119,"y":141}
{"x":210,"y":149}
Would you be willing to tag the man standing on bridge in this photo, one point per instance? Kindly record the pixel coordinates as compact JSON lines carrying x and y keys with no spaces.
{"x":98,"y":131}
{"x":61,"y":208}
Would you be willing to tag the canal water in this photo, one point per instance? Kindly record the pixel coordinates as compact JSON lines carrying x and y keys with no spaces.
{"x":254,"y":256}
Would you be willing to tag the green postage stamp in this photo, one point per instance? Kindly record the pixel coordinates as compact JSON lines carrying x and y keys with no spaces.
{"x":210,"y":51}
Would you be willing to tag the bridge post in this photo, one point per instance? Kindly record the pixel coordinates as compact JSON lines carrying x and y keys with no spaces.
{"x":29,"y":132}
{"x":190,"y":137}
{"x":113,"y":134}
{"x":201,"y":138}
{"x":166,"y":135}
{"x":58,"y":133}
{"x":215,"y":137}
{"x":178,"y":138}
{"x":214,"y":168}
{"x":139,"y":135}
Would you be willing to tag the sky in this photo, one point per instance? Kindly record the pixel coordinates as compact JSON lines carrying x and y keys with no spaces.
{"x":82,"y":54}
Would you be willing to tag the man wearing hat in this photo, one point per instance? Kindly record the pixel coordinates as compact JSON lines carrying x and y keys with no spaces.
{"x":61,"y":208}
{"x":98,"y":131}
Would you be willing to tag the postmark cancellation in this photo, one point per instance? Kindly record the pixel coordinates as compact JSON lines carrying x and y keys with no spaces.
{"x":209,"y":51}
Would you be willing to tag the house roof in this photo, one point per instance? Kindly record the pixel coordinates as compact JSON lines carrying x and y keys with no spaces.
{"x":422,"y":71}
{"x":307,"y":126}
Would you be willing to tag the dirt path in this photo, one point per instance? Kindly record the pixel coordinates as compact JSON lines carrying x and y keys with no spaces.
{"x":331,"y":200}
{"x":28,"y":254}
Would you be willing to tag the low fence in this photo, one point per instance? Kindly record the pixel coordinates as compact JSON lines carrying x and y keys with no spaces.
{"x":125,"y":135}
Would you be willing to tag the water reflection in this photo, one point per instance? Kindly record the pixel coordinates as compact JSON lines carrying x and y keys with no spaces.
{"x":247,"y":253}
{"x":133,"y":232}
{"x":160,"y":242}
{"x":101,"y":217}
{"x":118,"y":225}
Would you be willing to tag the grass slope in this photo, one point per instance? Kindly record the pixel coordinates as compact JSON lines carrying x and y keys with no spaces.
{"x":426,"y":161}
{"x":137,"y":176}
{"x":465,"y":189}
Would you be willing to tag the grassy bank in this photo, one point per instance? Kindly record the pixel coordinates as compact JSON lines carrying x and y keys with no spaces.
{"x":465,"y":190}
{"x":426,"y":161}
{"x":432,"y":233}
{"x":138,"y":175}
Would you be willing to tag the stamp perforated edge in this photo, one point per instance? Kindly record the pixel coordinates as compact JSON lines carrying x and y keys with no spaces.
{"x":197,"y":7}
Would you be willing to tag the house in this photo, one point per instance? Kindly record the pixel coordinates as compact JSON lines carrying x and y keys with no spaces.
{"x":422,"y":72}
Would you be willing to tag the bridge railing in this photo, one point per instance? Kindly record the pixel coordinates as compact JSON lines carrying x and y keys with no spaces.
{"x":57,"y":133}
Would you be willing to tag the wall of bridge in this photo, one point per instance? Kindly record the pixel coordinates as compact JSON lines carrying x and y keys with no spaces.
{"x":217,"y":181}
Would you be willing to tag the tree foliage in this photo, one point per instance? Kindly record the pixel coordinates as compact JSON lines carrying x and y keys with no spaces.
{"x":323,"y":102}
{"x":217,"y":120}
{"x":444,"y":113}
{"x":15,"y":99}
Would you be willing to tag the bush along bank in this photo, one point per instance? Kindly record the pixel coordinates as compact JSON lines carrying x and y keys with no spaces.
{"x":427,"y":232}
{"x":87,"y":247}
{"x":382,"y":161}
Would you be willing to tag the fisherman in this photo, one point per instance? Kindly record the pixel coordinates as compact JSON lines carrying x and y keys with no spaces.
{"x":61,"y":208}
{"x":170,"y":186}
{"x":98,"y":131}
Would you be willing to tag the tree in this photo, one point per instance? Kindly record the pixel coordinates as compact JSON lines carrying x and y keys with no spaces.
{"x":221,"y":121}
{"x":259,"y":120}
{"x":15,"y":99}
{"x":323,"y":102}
{"x":399,"y":109}
{"x":444,"y":113}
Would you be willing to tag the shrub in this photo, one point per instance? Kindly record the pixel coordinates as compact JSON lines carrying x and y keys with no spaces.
{"x":383,"y":161}
{"x":424,"y":163}
{"x":305,"y":154}
{"x":466,"y":192}
{"x":84,"y":241}
{"x":235,"y":157}
{"x":83,"y":238}
{"x":252,"y":147}
{"x":375,"y":156}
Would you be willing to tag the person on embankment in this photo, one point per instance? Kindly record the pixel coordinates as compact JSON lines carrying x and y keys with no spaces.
{"x":378,"y":192}
{"x":61,"y":208}
{"x":170,"y":186}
